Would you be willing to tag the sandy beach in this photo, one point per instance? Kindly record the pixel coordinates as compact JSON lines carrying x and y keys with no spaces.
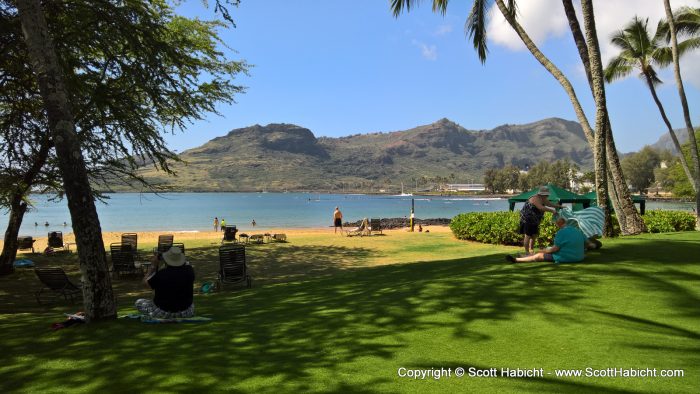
{"x":151,"y":237}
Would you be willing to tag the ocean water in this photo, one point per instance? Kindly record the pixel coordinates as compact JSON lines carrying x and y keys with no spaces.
{"x":126,"y":212}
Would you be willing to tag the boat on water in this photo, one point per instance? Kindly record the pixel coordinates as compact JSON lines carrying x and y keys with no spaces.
{"x":404,"y":194}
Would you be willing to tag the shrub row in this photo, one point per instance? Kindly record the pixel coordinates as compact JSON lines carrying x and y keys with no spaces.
{"x":499,"y":228}
{"x":502,"y":227}
{"x":659,"y":221}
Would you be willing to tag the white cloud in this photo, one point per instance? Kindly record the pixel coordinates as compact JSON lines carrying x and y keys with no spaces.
{"x":442,"y":30}
{"x":540,"y":18}
{"x":427,"y":51}
{"x":544,"y":19}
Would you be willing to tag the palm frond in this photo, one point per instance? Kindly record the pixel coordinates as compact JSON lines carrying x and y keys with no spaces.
{"x":653,"y":76}
{"x":475,"y":28}
{"x":687,"y":21}
{"x":440,"y":6}
{"x":663,"y":56}
{"x":618,"y":67}
{"x":398,"y":6}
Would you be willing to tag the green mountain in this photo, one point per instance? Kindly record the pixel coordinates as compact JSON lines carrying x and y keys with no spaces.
{"x":281,"y":157}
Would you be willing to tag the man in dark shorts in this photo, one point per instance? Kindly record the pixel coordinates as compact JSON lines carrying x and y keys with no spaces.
{"x":568,"y":247}
{"x":337,"y":220}
{"x":173,"y":287}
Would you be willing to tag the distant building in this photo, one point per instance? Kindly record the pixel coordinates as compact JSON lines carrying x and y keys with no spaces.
{"x":465,"y":187}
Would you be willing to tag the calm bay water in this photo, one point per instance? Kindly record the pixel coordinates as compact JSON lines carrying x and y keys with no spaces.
{"x":196,"y":211}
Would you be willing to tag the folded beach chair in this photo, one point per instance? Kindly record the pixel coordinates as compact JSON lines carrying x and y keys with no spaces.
{"x":56,"y":241}
{"x":590,"y":221}
{"x":24,"y":243}
{"x":56,"y":283}
{"x":232,"y":266}
{"x":375,"y":225}
{"x":123,"y":260}
{"x":362,"y":230}
{"x":165,"y":242}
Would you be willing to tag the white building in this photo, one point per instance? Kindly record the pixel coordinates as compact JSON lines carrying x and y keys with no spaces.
{"x":465,"y":187}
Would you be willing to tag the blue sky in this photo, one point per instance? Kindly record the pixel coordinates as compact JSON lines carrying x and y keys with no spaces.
{"x":342,"y":68}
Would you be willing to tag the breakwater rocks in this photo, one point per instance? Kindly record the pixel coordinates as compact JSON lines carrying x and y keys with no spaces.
{"x":391,"y":223}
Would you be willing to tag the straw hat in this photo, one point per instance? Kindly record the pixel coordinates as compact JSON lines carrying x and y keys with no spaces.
{"x":544,"y":191}
{"x":174,"y":257}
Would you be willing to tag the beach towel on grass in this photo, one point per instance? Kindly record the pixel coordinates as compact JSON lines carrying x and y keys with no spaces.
{"x":23,"y":263}
{"x":589,"y":220}
{"x":153,"y":320}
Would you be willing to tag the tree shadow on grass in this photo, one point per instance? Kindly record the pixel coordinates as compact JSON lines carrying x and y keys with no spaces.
{"x":300,"y":336}
{"x":278,"y":337}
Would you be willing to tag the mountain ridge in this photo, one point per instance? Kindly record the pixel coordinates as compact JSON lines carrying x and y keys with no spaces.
{"x":283,"y":156}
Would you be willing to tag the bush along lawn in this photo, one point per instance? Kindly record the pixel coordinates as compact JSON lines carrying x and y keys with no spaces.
{"x":501,"y":228}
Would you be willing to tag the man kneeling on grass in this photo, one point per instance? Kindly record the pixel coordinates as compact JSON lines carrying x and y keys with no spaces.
{"x":568,"y":246}
{"x":173,"y":287}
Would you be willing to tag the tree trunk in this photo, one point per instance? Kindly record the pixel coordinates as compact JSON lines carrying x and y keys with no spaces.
{"x":674,"y":138}
{"x":601,"y":116}
{"x":686,"y":110}
{"x":97,"y":286}
{"x":629,"y":218}
{"x":9,"y":247}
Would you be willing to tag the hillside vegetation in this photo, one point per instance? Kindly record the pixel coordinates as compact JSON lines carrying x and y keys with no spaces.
{"x":281,"y":157}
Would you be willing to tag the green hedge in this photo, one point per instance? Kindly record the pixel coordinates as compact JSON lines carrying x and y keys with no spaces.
{"x":499,"y":228}
{"x":659,"y":221}
{"x":502,"y":227}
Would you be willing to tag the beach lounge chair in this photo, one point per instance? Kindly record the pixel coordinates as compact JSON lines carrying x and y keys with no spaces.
{"x":179,"y":245}
{"x":56,"y":241}
{"x":165,"y":242}
{"x":232,"y":266}
{"x":56,"y":283}
{"x":229,"y":234}
{"x":131,"y":238}
{"x":256,"y":239}
{"x":362,"y":230}
{"x":279,"y":237}
{"x":123,"y":260}
{"x":375,"y":226}
{"x":24,"y":243}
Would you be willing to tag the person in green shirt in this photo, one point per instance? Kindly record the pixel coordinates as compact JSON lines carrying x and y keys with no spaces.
{"x":569,"y":246}
{"x":223,"y":225}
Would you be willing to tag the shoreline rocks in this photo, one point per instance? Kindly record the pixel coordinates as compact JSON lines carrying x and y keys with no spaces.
{"x":393,"y":223}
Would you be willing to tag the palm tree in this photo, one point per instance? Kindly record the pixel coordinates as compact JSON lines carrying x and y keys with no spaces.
{"x":627,"y":214}
{"x":641,"y":50}
{"x":630,"y":221}
{"x":689,"y":23}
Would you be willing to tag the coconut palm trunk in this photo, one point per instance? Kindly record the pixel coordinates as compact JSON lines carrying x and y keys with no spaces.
{"x":627,"y":215}
{"x":598,"y":83}
{"x":97,"y":287}
{"x":686,"y":111}
{"x":594,"y":141}
{"x":684,"y":163}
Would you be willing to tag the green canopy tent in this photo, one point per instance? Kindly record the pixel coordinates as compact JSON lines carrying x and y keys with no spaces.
{"x":636,"y":198}
{"x":556,"y":194}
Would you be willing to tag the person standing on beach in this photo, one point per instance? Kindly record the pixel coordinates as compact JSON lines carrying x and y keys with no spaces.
{"x":337,"y":220}
{"x":216,"y":224}
{"x":223,"y":224}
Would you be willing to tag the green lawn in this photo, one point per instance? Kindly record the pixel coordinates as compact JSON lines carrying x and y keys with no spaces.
{"x":340,"y":318}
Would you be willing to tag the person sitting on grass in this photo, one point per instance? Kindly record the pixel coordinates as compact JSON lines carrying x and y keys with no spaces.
{"x":568,"y":246}
{"x":173,"y":287}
